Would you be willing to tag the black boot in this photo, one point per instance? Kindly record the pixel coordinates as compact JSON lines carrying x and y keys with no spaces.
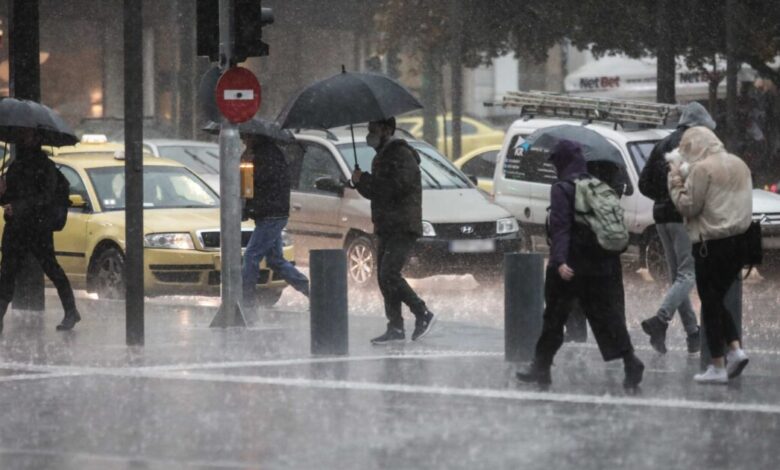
{"x":536,"y":373}
{"x":655,"y":327}
{"x":69,"y":321}
{"x":634,"y":369}
{"x":3,"y":309}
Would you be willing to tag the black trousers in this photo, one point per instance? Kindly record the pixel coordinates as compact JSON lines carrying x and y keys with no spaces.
{"x":392,"y":254}
{"x":16,"y":244}
{"x":603,"y":303}
{"x":716,"y":268}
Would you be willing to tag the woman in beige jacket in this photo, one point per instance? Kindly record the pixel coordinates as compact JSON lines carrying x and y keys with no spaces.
{"x":712,"y":189}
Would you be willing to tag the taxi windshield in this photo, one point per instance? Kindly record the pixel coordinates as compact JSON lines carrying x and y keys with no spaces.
{"x":164,"y":188}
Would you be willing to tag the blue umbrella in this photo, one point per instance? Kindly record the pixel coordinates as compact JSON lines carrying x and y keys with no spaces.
{"x":595,"y":147}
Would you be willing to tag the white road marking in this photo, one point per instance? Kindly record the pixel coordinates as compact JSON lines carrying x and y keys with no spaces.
{"x":518,"y":395}
{"x":129,"y":458}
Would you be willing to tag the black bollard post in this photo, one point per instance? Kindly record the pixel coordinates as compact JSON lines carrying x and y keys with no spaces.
{"x":733,"y":302}
{"x":523,"y":304}
{"x":328,"y":301}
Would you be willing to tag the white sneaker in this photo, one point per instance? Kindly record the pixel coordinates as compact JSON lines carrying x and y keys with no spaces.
{"x":713,"y":375}
{"x":736,"y":360}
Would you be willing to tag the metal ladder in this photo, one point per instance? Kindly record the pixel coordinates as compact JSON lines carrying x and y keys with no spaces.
{"x":591,"y":109}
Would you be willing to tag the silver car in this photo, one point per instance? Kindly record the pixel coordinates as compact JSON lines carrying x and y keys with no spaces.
{"x":464,"y":232}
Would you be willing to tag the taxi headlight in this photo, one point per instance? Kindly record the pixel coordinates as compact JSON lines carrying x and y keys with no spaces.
{"x":176,"y":241}
{"x":428,"y":230}
{"x":508,"y":225}
{"x":287,"y":239}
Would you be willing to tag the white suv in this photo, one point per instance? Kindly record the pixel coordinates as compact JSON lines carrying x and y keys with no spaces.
{"x":522,"y":186}
{"x":464,"y":232}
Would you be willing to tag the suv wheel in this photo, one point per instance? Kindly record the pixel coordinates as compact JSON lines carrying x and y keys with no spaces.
{"x":656,"y":259}
{"x":108,"y":271}
{"x":361,"y":261}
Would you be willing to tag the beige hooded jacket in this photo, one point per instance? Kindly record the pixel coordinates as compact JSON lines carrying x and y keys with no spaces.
{"x":716,"y":195}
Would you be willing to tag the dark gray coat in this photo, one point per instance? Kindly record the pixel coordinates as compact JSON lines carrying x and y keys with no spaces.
{"x":395,"y":189}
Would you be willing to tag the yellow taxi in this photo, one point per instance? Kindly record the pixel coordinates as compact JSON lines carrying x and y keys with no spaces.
{"x":480,"y":163}
{"x":181,"y":227}
{"x":475,"y":133}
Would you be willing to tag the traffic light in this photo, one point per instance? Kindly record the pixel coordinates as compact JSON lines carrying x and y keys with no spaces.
{"x":249,"y":17}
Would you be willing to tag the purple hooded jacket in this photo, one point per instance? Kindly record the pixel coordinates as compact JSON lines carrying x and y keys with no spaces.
{"x":570,"y":164}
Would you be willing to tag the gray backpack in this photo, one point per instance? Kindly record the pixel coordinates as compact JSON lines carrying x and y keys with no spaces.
{"x":597,"y":206}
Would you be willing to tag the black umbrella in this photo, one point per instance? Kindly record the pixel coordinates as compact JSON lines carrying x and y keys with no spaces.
{"x":17,"y":115}
{"x":595,"y":147}
{"x":257,"y":126}
{"x":345,"y":99}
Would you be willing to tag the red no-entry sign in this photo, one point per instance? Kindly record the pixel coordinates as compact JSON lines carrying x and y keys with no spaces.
{"x":238,"y":94}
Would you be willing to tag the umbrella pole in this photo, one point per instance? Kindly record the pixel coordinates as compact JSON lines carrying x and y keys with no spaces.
{"x":354,"y":148}
{"x":5,"y":159}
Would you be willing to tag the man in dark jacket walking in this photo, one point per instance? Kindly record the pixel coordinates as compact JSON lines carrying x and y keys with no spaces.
{"x":395,"y":189}
{"x":25,"y":194}
{"x":579,"y":270}
{"x":270,"y":209}
{"x":673,"y":236}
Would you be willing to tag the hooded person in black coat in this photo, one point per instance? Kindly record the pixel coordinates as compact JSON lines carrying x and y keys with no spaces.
{"x":576,"y":271}
{"x":26,"y":190}
{"x":394,"y":187}
{"x":674,"y":239}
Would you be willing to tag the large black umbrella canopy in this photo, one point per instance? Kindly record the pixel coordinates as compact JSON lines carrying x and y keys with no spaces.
{"x":595,"y":147}
{"x":18,"y":115}
{"x":257,"y":126}
{"x":347,"y":98}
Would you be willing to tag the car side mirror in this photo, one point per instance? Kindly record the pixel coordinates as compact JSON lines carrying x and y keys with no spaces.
{"x":473,"y":179}
{"x":330,"y":185}
{"x":77,"y":201}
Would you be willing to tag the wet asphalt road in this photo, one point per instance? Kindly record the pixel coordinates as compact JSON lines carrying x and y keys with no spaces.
{"x":255,"y":397}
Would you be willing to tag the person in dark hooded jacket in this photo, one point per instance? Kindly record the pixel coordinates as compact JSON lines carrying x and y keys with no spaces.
{"x":577,"y":271}
{"x":674,"y":238}
{"x":270,"y":209}
{"x":25,"y":191}
{"x":394,"y":187}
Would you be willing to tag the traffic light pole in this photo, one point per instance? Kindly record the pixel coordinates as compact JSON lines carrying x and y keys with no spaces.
{"x":229,"y":313}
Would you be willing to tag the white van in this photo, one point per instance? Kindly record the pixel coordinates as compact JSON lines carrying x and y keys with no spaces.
{"x":522,"y":186}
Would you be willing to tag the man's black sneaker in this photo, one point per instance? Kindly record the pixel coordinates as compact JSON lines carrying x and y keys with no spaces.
{"x":69,"y":321}
{"x":656,"y":329}
{"x":537,"y":374}
{"x":424,"y":325}
{"x":392,"y":335}
{"x":694,"y":342}
{"x":634,"y":369}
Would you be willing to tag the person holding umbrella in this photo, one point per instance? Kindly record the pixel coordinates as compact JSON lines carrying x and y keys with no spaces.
{"x":393,"y":186}
{"x":395,"y":190}
{"x":580,"y":267}
{"x":26,"y":191}
{"x":269,"y":208}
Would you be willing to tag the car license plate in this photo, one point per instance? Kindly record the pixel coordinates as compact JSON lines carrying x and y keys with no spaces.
{"x":472,"y":246}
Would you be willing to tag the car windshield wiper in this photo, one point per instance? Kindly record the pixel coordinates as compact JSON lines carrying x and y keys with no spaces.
{"x":200,"y":160}
{"x":430,"y":177}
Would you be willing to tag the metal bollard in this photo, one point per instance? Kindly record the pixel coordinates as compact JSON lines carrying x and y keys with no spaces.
{"x":733,"y":302}
{"x":523,"y":304}
{"x":328,"y":301}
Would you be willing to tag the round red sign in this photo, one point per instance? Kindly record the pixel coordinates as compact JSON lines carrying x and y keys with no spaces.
{"x":238,"y":94}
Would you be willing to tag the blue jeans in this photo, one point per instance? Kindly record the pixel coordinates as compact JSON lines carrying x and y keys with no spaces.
{"x":266,"y":242}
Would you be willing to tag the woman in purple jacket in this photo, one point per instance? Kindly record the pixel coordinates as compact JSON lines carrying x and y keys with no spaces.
{"x":579,"y":270}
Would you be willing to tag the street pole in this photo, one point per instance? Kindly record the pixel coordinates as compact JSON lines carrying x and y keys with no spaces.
{"x":229,"y":313}
{"x":25,"y":83}
{"x":134,"y":183}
